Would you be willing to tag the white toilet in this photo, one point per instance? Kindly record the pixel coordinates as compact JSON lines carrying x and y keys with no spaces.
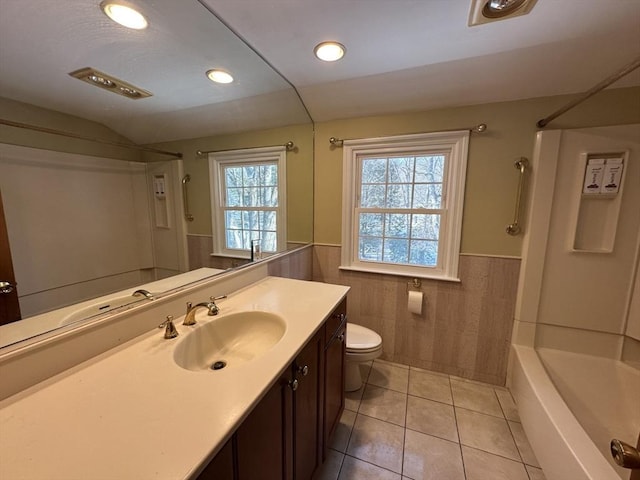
{"x":363,"y":345}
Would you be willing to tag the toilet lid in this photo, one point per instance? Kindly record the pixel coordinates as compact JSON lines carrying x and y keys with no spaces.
{"x":361,"y":338}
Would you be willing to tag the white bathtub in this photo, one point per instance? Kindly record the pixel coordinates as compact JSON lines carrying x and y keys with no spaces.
{"x":600,"y":397}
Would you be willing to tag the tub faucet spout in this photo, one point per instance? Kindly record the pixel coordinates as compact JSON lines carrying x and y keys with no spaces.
{"x":144,"y":292}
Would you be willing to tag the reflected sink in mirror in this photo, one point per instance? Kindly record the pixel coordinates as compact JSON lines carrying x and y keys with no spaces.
{"x":98,"y":308}
{"x":229,"y":341}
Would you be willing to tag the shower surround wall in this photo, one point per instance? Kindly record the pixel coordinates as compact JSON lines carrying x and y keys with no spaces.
{"x":464,"y":328}
{"x":584,"y":301}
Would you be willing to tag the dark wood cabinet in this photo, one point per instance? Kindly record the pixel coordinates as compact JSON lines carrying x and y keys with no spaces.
{"x":222,"y":466}
{"x":307,"y":411}
{"x":334,"y":372}
{"x":285,"y":435}
{"x":262,"y":443}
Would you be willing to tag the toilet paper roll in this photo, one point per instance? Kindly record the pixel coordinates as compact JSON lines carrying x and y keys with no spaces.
{"x":414,"y":303}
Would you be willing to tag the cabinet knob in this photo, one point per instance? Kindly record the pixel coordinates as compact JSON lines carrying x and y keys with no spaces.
{"x":341,"y":337}
{"x":304,"y":370}
{"x":293,"y":384}
{"x":6,"y":287}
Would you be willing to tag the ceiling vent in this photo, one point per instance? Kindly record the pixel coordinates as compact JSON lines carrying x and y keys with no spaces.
{"x":486,"y":11}
{"x":109,"y":83}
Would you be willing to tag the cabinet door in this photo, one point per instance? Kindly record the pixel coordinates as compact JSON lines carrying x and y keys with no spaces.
{"x":307,"y":426}
{"x":263,"y":441}
{"x":221,"y":467}
{"x":334,"y":384}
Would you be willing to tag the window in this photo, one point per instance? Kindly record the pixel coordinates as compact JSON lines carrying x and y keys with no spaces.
{"x":402,"y":204}
{"x":248,"y":200}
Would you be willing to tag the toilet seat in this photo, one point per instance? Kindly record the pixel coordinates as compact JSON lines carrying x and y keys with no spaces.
{"x":361,"y":339}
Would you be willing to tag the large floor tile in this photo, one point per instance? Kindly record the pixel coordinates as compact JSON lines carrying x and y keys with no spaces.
{"x":389,"y":376}
{"x":352,"y":399}
{"x":430,"y":385}
{"x":479,"y":465}
{"x":340,"y":438}
{"x":354,"y":469}
{"x":365,"y":369}
{"x":393,"y":364}
{"x":433,"y":418}
{"x":377,"y":442}
{"x":486,"y":432}
{"x":384,"y":404}
{"x":474,"y":396}
{"x":526,"y":452}
{"x":509,"y":407}
{"x":430,"y":458}
{"x":535,"y":473}
{"x":330,"y":469}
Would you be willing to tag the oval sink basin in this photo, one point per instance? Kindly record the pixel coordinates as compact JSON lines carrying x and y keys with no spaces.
{"x":229,"y":341}
{"x":98,"y":308}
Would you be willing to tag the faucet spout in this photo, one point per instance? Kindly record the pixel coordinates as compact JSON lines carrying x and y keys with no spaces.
{"x":213,"y":309}
{"x":144,"y":292}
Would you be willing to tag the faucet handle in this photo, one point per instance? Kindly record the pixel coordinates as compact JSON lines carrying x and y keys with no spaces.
{"x":213,"y":308}
{"x":170,"y":329}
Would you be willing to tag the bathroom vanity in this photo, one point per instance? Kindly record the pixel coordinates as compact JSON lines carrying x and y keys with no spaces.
{"x":289,"y":429}
{"x":141,"y":410}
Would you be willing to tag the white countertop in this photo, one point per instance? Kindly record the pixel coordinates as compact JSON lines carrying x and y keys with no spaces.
{"x":133,"y":413}
{"x":29,"y":327}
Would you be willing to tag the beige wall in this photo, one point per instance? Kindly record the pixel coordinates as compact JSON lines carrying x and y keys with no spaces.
{"x":42,"y":117}
{"x":299,"y":175}
{"x":491,"y":177}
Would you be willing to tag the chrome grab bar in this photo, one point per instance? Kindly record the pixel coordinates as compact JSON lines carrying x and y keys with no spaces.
{"x":514,"y":228}
{"x":185,"y":198}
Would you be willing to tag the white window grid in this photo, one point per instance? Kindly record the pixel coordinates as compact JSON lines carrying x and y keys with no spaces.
{"x":454,"y":146}
{"x":409,"y":212}
{"x":252,"y":225}
{"x":218,"y":163}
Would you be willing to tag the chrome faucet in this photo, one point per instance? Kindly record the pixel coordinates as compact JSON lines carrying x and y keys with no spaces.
{"x":190,"y":317}
{"x":144,"y":292}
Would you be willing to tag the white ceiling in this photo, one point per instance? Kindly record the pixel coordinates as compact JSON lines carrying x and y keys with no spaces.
{"x":401,"y":55}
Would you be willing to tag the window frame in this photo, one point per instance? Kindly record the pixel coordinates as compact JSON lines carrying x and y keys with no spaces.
{"x":455,"y":144}
{"x":219,"y":160}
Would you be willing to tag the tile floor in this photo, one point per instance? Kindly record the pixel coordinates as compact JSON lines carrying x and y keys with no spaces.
{"x":408,"y":423}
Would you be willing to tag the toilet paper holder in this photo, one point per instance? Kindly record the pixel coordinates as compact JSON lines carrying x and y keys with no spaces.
{"x":414,"y":283}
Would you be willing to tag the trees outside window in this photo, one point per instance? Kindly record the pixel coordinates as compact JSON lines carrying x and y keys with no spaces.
{"x":403,"y":209}
{"x":248,"y":200}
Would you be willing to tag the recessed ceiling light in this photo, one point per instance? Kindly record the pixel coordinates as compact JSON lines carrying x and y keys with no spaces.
{"x":219,"y":76}
{"x":501,"y":8}
{"x":329,"y":51}
{"x":487,"y":11}
{"x":124,"y":15}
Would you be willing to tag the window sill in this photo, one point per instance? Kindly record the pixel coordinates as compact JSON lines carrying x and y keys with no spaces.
{"x":230,"y":255}
{"x":400,"y":273}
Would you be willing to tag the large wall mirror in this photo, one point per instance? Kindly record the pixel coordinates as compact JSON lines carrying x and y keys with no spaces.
{"x":87,"y":220}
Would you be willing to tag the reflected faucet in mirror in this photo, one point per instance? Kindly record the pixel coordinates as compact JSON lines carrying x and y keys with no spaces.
{"x":143,"y":292}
